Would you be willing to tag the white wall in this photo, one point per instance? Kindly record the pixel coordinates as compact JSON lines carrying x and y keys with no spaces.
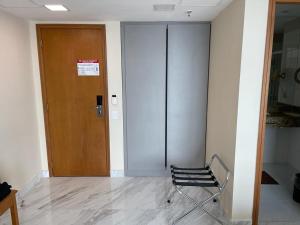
{"x":225,"y":61}
{"x":113,"y":42}
{"x":294,"y":148}
{"x":277,"y":144}
{"x":113,"y":38}
{"x":19,"y":146}
{"x":282,"y":145}
{"x":236,"y":71}
{"x":253,"y":52}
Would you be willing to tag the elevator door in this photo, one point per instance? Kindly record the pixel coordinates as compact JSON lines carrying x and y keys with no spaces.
{"x":188,"y":58}
{"x":165,"y":69}
{"x":144,"y":55}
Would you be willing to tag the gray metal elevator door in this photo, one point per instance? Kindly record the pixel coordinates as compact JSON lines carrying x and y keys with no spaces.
{"x":144,"y":62}
{"x":188,"y":59}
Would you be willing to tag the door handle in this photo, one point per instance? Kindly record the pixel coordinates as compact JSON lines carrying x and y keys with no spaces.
{"x":99,"y":107}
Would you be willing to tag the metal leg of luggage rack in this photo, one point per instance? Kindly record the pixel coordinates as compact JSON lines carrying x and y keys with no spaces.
{"x":172,"y":194}
{"x":199,"y":205}
{"x":213,"y":216}
{"x":203,"y":208}
{"x":213,"y":195}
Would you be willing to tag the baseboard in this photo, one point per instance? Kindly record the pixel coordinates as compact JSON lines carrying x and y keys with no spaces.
{"x":148,"y":173}
{"x":30,"y":184}
{"x":117,"y":173}
{"x":241,"y":222}
{"x":45,"y":174}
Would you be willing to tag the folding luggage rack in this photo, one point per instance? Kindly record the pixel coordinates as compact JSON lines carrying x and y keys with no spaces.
{"x":199,"y":177}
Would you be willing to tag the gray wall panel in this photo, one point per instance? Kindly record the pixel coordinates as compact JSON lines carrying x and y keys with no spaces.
{"x":188,"y":58}
{"x":145,"y":60}
{"x":145,"y":81}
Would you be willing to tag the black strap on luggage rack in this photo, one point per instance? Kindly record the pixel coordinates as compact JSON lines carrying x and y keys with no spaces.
{"x":202,"y":177}
{"x":199,"y":177}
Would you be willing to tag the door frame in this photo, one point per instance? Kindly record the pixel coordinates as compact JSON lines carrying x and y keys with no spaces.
{"x":264,"y":104}
{"x":44,"y":87}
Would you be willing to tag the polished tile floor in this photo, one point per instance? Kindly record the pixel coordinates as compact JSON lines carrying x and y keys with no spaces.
{"x":277,"y":205}
{"x":106,"y":201}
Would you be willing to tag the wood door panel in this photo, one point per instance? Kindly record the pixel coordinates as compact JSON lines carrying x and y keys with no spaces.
{"x":78,"y":138}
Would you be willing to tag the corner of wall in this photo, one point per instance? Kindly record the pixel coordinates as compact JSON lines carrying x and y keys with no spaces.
{"x":20,"y":158}
{"x":38,"y":95}
{"x":249,"y":96}
{"x":225,"y":62}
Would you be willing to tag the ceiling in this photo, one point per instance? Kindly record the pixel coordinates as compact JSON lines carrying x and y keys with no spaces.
{"x":284,"y":14}
{"x":123,"y":10}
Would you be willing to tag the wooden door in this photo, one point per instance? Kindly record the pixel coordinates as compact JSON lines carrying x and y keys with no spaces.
{"x":77,"y":136}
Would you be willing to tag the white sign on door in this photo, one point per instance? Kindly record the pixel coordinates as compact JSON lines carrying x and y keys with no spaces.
{"x":88,"y":68}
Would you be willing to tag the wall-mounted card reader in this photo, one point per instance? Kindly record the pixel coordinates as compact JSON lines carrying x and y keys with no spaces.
{"x":114,"y":100}
{"x":99,"y":107}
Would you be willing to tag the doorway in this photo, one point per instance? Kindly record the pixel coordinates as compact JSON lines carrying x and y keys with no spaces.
{"x":278,"y":157}
{"x":74,"y":86}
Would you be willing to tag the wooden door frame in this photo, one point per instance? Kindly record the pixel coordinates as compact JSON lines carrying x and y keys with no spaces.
{"x":44,"y":93}
{"x":264,"y":103}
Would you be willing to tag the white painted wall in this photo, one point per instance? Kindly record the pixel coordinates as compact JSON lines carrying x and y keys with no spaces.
{"x":225,"y":61}
{"x":19,"y":147}
{"x":282,"y":145}
{"x":113,"y":42}
{"x":277,"y":144}
{"x":252,"y":64}
{"x":113,"y":38}
{"x":236,"y":70}
{"x":294,"y":148}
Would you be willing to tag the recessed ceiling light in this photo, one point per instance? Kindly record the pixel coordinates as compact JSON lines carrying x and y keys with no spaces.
{"x":56,"y":7}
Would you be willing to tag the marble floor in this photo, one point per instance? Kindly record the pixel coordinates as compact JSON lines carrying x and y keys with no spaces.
{"x":107,"y":201}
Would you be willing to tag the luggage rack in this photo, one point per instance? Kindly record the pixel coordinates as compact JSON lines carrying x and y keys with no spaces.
{"x":199,"y":177}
